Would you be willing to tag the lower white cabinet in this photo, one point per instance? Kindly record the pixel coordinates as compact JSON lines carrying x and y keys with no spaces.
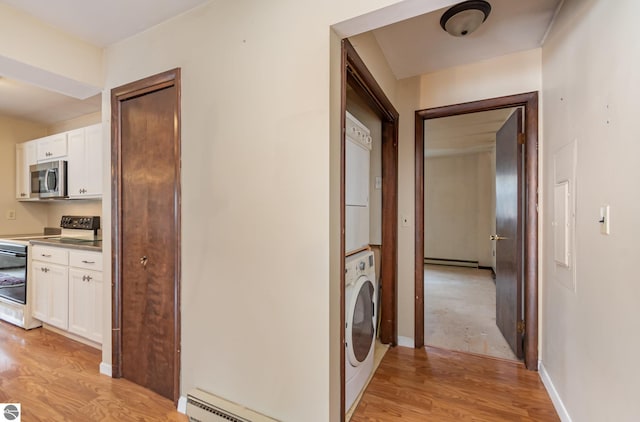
{"x":51,"y":293}
{"x":67,"y":290}
{"x":85,"y":303}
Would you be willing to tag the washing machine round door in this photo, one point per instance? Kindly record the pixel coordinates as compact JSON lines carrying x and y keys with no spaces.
{"x":360,"y":333}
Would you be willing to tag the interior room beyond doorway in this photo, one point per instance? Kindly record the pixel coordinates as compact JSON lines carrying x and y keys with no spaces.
{"x":459,"y":220}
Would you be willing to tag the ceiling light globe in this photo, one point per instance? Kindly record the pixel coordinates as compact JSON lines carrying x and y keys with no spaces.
{"x":464,"y":18}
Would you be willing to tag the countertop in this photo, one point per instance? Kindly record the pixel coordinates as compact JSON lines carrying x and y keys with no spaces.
{"x":94,"y":246}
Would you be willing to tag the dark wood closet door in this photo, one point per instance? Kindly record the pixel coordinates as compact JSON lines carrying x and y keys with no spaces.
{"x":149,"y":240}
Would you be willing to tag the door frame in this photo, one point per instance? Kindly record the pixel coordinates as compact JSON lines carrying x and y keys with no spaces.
{"x":118,"y":95}
{"x":356,"y":75}
{"x":529,"y":101}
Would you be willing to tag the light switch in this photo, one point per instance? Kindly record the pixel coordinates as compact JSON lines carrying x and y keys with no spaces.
{"x":378,"y":182}
{"x":605,"y":220}
{"x":11,"y":214}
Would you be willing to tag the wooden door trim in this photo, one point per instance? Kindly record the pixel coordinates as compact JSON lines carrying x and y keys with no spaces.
{"x":356,"y":75}
{"x":530,"y":242}
{"x":153,"y":83}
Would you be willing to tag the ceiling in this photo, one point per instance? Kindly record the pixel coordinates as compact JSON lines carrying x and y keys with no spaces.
{"x":463,"y":134}
{"x":419,"y":45}
{"x":412,"y":47}
{"x":103,"y":22}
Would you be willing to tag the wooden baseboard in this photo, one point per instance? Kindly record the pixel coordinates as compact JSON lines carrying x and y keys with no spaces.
{"x":451,"y":262}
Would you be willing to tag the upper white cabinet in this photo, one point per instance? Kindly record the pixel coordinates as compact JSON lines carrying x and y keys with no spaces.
{"x":81,"y":148}
{"x":84,"y":162}
{"x":52,"y":147}
{"x":26,"y":156}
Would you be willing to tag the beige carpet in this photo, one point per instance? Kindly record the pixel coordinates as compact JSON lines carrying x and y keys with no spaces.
{"x":460,"y":311}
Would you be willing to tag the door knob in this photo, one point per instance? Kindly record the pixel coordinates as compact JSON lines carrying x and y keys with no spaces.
{"x":496,"y":237}
{"x":143,"y":261}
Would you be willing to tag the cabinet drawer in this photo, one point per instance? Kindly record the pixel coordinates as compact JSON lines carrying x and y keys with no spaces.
{"x":88,"y":260}
{"x":52,"y":255}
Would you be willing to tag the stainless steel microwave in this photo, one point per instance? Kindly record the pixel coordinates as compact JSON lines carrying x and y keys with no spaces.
{"x":49,"y":180}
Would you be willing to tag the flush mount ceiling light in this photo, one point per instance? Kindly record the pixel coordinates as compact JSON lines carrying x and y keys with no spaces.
{"x":464,"y":18}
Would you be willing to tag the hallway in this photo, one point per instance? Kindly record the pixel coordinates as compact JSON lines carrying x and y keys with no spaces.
{"x":414,"y":385}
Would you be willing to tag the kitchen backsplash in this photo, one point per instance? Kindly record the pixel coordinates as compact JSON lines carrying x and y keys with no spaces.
{"x":56,"y":209}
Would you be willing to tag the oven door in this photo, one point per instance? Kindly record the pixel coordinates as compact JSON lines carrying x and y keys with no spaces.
{"x":13,"y":272}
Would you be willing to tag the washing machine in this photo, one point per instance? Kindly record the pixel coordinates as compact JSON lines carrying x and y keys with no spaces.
{"x":361,"y":294}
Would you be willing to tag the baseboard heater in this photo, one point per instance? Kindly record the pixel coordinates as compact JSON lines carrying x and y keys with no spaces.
{"x":452,"y":262}
{"x":206,"y":407}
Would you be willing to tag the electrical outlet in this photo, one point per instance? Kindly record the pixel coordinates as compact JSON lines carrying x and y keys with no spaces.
{"x":11,"y":214}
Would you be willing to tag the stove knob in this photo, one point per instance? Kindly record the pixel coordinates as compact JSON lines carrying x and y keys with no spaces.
{"x":361,"y":265}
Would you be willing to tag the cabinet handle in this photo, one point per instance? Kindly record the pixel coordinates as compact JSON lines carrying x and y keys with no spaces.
{"x":44,"y":269}
{"x":45,"y":255}
{"x":88,"y":262}
{"x":89,"y":278}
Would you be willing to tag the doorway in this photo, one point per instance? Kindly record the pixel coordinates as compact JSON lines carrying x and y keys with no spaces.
{"x":359,"y":81}
{"x":146,"y":232}
{"x":525,"y":326}
{"x":460,"y":219}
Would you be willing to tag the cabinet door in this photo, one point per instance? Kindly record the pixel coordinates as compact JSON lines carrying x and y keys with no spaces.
{"x":85,"y":162}
{"x":21,"y":192}
{"x":52,"y":147}
{"x":76,"y":164}
{"x":25,"y":157}
{"x":93,"y":158}
{"x":40,"y":289}
{"x":57,"y":277}
{"x":85,"y":303}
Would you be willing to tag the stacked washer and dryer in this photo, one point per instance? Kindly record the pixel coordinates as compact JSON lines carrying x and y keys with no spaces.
{"x":361,"y":287}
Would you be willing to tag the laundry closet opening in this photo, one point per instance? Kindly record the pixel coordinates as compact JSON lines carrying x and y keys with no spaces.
{"x":368,"y":222}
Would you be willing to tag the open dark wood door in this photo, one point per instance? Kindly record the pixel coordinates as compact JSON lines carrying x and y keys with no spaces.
{"x":509,"y":231}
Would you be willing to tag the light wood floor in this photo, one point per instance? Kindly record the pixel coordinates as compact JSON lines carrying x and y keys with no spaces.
{"x":57,"y":379}
{"x":416,"y":385}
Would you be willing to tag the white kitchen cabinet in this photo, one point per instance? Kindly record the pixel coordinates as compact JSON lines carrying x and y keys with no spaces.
{"x":51,"y":293}
{"x":52,"y":147}
{"x":26,"y":156}
{"x":67,"y":286}
{"x":85,"y":294}
{"x":84,"y":162}
{"x":50,"y":275}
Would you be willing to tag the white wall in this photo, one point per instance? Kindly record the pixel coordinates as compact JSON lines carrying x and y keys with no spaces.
{"x":260,"y":248}
{"x":592,"y":95}
{"x":458,"y":207}
{"x":506,"y":75}
{"x":30,"y":217}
